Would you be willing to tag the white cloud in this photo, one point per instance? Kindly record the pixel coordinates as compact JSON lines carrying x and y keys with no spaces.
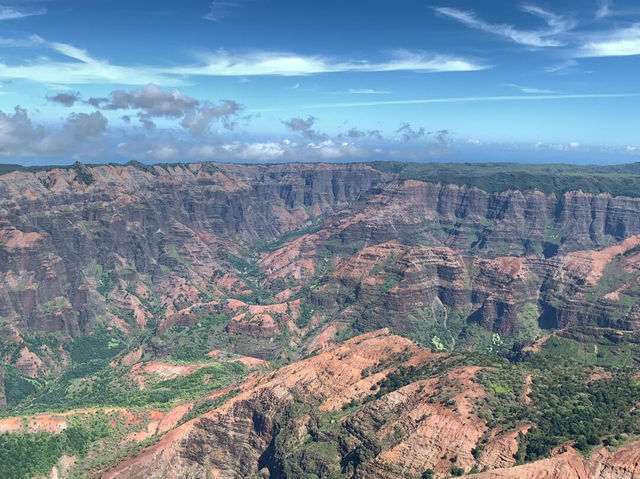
{"x":13,"y":13}
{"x":526,"y":89}
{"x":151,"y":101}
{"x":544,"y":37}
{"x":81,"y":134}
{"x":222,"y":63}
{"x":171,"y":149}
{"x":83,"y":68}
{"x":367,"y":91}
{"x":197,"y":120}
{"x":30,"y":41}
{"x":621,"y":42}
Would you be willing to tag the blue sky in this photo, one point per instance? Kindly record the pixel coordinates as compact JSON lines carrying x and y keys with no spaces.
{"x":268,"y":80}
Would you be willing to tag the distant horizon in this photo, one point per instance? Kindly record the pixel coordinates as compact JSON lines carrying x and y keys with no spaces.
{"x":105,"y":162}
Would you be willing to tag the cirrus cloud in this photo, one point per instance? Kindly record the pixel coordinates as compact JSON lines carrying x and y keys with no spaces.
{"x":542,"y":37}
{"x":222,"y":63}
{"x":79,"y":66}
{"x":15,"y":13}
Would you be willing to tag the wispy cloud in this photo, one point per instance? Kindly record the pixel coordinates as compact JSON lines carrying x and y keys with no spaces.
{"x":367,"y":91}
{"x":544,"y":37}
{"x":30,"y":41}
{"x":604,"y":10}
{"x":222,"y":63}
{"x":472,"y":99}
{"x":82,"y":70}
{"x":562,"y":67}
{"x":14,"y":13}
{"x":220,"y":9}
{"x":620,"y":42}
{"x":80,"y":67}
{"x":526,"y":89}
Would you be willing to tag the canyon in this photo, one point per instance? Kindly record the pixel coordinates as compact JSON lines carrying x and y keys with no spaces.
{"x":294,"y":292}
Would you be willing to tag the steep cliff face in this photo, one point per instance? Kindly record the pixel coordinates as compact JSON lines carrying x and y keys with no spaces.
{"x":499,"y":224}
{"x":156,"y":247}
{"x":64,"y":236}
{"x":435,"y":288}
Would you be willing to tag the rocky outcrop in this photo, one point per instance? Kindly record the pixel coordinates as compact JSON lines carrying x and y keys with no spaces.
{"x":620,"y":464}
{"x":568,"y":464}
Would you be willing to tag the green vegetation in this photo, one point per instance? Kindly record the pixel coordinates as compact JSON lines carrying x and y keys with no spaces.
{"x":193,"y":343}
{"x":105,"y":279}
{"x":151,"y":304}
{"x":18,"y":387}
{"x":244,"y":267}
{"x":204,"y":406}
{"x":313,"y":227}
{"x":306,"y":313}
{"x":618,"y":180}
{"x":99,"y":345}
{"x":92,"y":382}
{"x":143,"y":167}
{"x":568,"y":404}
{"x":96,"y":384}
{"x":173,"y":253}
{"x":593,"y":351}
{"x":456,"y":471}
{"x":51,"y":307}
{"x":82,"y":174}
{"x":570,"y":410}
{"x":23,"y":455}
